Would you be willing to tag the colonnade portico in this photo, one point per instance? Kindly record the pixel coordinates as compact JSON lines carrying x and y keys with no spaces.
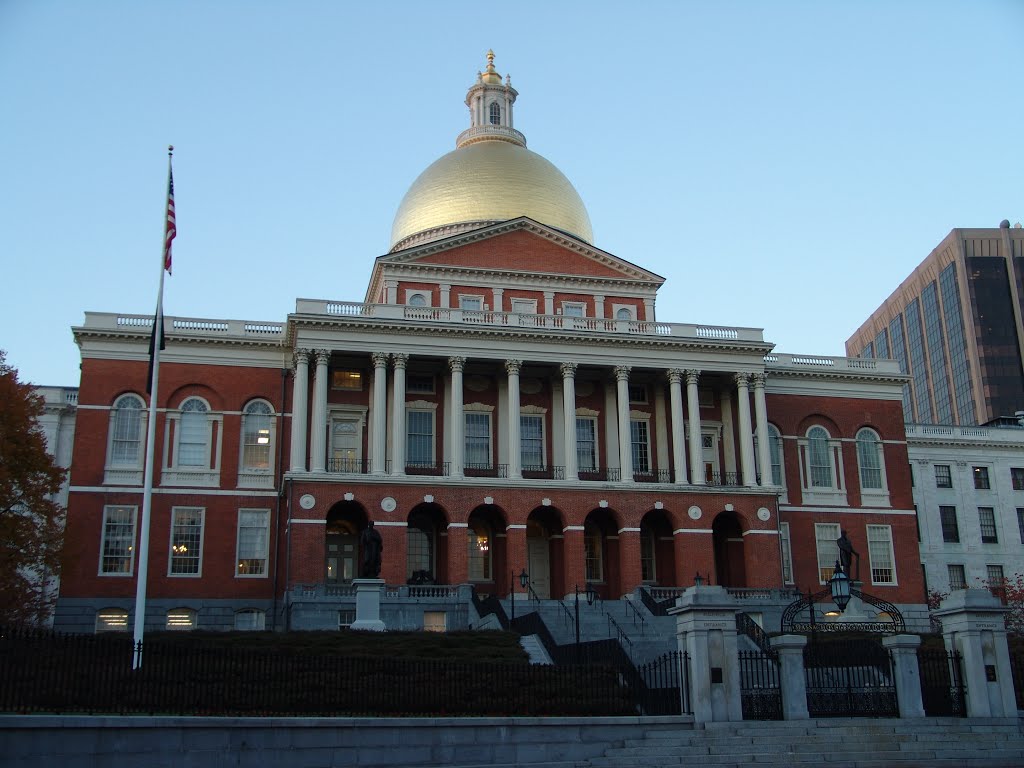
{"x":688,"y":466}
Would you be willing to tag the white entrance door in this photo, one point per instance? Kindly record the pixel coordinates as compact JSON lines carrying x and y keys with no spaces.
{"x":539,"y":563}
{"x":346,"y":444}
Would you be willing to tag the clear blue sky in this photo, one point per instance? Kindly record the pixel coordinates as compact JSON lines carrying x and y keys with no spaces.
{"x":783,"y":164}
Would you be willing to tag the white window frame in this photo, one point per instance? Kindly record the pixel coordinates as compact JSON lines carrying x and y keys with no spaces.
{"x":573,"y":306}
{"x":869,"y":444}
{"x":596,"y":443}
{"x":786,"y":544}
{"x":346,"y":413}
{"x":426,"y":297}
{"x":986,"y":472}
{"x":172,"y":544}
{"x":774,"y":443}
{"x":629,"y":309}
{"x":640,"y":390}
{"x":981,"y":525}
{"x":476,"y":413}
{"x":206,"y":474}
{"x":355,"y":374}
{"x":182,"y":619}
{"x":963,"y":576}
{"x":880,"y":545}
{"x":111,"y":620}
{"x":834,"y":493}
{"x":543,"y":442}
{"x":254,"y":476}
{"x":263,"y":555}
{"x":433,"y":437}
{"x":522,"y":306}
{"x":104,"y":540}
{"x":949,"y":475}
{"x":465,"y":298}
{"x":126,"y":473}
{"x":827,"y":550}
{"x":259,"y":623}
{"x":635,"y":445}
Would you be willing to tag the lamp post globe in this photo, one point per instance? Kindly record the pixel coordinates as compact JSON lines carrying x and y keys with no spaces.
{"x":839,"y":585}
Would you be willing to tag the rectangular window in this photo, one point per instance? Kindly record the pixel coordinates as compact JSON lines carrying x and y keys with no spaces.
{"x":524,"y":306}
{"x":981,"y":479}
{"x":253,"y":542}
{"x":987,"y":520}
{"x":994,"y":574}
{"x":593,"y":555}
{"x":943,"y":477}
{"x":117,"y":550}
{"x":250,"y":620}
{"x":648,"y":565}
{"x":186,"y":541}
{"x":787,"y":554}
{"x":531,"y":442}
{"x":957,"y":578}
{"x":639,"y":438}
{"x":880,"y":554}
{"x":825,"y":537}
{"x":346,"y":379}
{"x":435,"y":621}
{"x":637,"y":393}
{"x":1017,"y":478}
{"x":471,"y":303}
{"x":573,"y":309}
{"x":1020,"y":523}
{"x":420,"y":438}
{"x":419,"y":384}
{"x":950,"y":529}
{"x":478,"y":440}
{"x":586,"y":443}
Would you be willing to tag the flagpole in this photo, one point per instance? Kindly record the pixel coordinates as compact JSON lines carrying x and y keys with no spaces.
{"x":147,"y":492}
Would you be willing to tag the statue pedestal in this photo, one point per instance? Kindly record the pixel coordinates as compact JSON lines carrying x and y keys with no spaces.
{"x":368,"y":605}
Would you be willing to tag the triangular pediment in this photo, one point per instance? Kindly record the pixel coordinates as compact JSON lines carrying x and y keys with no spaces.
{"x":520,"y":245}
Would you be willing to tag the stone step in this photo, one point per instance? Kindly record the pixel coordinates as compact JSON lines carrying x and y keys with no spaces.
{"x":834,"y":737}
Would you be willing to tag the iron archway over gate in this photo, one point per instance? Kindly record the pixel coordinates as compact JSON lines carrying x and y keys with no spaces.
{"x":792,"y":625}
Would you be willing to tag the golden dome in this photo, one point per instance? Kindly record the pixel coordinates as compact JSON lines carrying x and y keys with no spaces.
{"x":483,"y":183}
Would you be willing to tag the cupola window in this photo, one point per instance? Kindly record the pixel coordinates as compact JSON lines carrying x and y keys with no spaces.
{"x":495,"y":113}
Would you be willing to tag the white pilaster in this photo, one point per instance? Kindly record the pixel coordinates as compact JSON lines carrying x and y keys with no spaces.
{"x":515,"y":469}
{"x":569,"y":420}
{"x":398,"y":432}
{"x":378,"y":460}
{"x":675,"y":393}
{"x":300,"y":396}
{"x":446,"y":292}
{"x":649,"y":310}
{"x":549,"y":302}
{"x":496,"y":299}
{"x":457,"y":422}
{"x":599,"y":306}
{"x":746,"y":434}
{"x":764,"y":455}
{"x":318,"y":424}
{"x":696,"y":448}
{"x":391,"y":291}
{"x":625,"y":434}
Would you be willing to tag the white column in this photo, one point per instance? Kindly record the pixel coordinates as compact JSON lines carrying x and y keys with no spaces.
{"x":649,"y":310}
{"x":625,"y":434}
{"x":764,"y":455}
{"x":569,"y":419}
{"x":746,"y":435}
{"x":696,"y":447}
{"x":496,"y":299}
{"x":457,"y":422}
{"x":610,"y":416}
{"x":300,"y":395}
{"x":378,"y":460}
{"x":398,"y":415}
{"x":318,"y":424}
{"x":675,"y":392}
{"x":515,"y":469}
{"x":599,"y":306}
{"x":391,"y":291}
{"x":446,"y":290}
{"x":549,"y":302}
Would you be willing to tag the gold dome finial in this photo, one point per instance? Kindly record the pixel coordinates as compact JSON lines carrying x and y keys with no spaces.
{"x":490,"y":60}
{"x":491,"y":76}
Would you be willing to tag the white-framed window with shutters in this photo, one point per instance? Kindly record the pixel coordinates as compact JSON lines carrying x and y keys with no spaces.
{"x":192,"y":445}
{"x":586,"y":443}
{"x":478,"y":440}
{"x":250,"y":620}
{"x":874,"y":489}
{"x":111,"y":620}
{"x":253,"y":543}
{"x":787,"y":553}
{"x":880,"y":555}
{"x":825,"y":537}
{"x":126,"y":441}
{"x":259,"y":433}
{"x":821,"y":467}
{"x":186,"y":555}
{"x":117,"y":547}
{"x":531,"y":442}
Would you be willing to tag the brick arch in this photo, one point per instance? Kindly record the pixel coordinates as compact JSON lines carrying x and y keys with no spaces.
{"x":177,"y":396}
{"x":427,"y":551}
{"x":603,"y":567}
{"x":658,"y":524}
{"x":818,"y":420}
{"x":487,"y":568}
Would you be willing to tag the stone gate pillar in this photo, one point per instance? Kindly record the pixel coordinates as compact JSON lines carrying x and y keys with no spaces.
{"x":972,"y":623}
{"x":706,"y":628}
{"x":792,"y":679}
{"x":906,"y":673}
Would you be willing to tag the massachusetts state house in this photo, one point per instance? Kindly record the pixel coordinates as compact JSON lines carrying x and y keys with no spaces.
{"x":505,"y":400}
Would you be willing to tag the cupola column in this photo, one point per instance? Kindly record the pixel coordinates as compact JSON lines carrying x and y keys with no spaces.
{"x":625,"y":433}
{"x":764,"y":455}
{"x":378,"y":462}
{"x":569,"y":419}
{"x":318,"y":424}
{"x":300,"y":397}
{"x":696,"y":445}
{"x":458,"y":419}
{"x":675,"y":393}
{"x":515,"y":470}
{"x":398,"y":431}
{"x":746,"y":436}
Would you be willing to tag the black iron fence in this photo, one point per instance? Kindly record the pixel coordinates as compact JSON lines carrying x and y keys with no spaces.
{"x":760,"y":686}
{"x":665,"y":685}
{"x":851,"y":677}
{"x":1017,"y":670}
{"x":942,"y":683}
{"x":49,"y":672}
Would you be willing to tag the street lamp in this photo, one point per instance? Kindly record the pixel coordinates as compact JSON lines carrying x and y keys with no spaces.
{"x":839,"y":584}
{"x":524,"y":579}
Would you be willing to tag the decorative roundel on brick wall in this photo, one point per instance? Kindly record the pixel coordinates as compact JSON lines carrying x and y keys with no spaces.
{"x":307,"y":501}
{"x":764,"y":514}
{"x":584,"y":388}
{"x":530,"y":386}
{"x":388,"y":504}
{"x":694,"y":513}
{"x":478,"y":383}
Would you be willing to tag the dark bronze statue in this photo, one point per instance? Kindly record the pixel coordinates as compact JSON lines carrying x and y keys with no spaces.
{"x":846,"y":554}
{"x":371,"y":545}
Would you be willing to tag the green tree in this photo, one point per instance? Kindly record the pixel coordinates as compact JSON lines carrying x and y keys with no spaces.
{"x":31,"y":521}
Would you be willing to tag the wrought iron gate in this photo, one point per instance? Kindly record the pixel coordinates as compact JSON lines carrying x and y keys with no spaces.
{"x":760,"y":690}
{"x":665,"y":685}
{"x":849,"y":677}
{"x":942,"y":683}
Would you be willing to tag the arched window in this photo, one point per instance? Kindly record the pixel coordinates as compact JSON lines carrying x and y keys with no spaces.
{"x":420,"y":546}
{"x":869,"y":460}
{"x":193,"y":434}
{"x":250,"y":620}
{"x":623,"y":314}
{"x":495,"y":115}
{"x":593,"y":552}
{"x":820,"y":458}
{"x":126,"y":432}
{"x":775,"y":452}
{"x":417,"y":300}
{"x":480,"y":551}
{"x":257,"y":436}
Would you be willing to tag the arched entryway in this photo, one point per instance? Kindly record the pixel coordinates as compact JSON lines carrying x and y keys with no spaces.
{"x":601,"y":553}
{"x":657,"y":549}
{"x":730,"y":568}
{"x":345,"y":521}
{"x":544,"y":552}
{"x":486,"y":554}
{"x":426,"y":553}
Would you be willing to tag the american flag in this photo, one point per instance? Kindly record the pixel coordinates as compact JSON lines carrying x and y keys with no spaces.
{"x":171,"y":229}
